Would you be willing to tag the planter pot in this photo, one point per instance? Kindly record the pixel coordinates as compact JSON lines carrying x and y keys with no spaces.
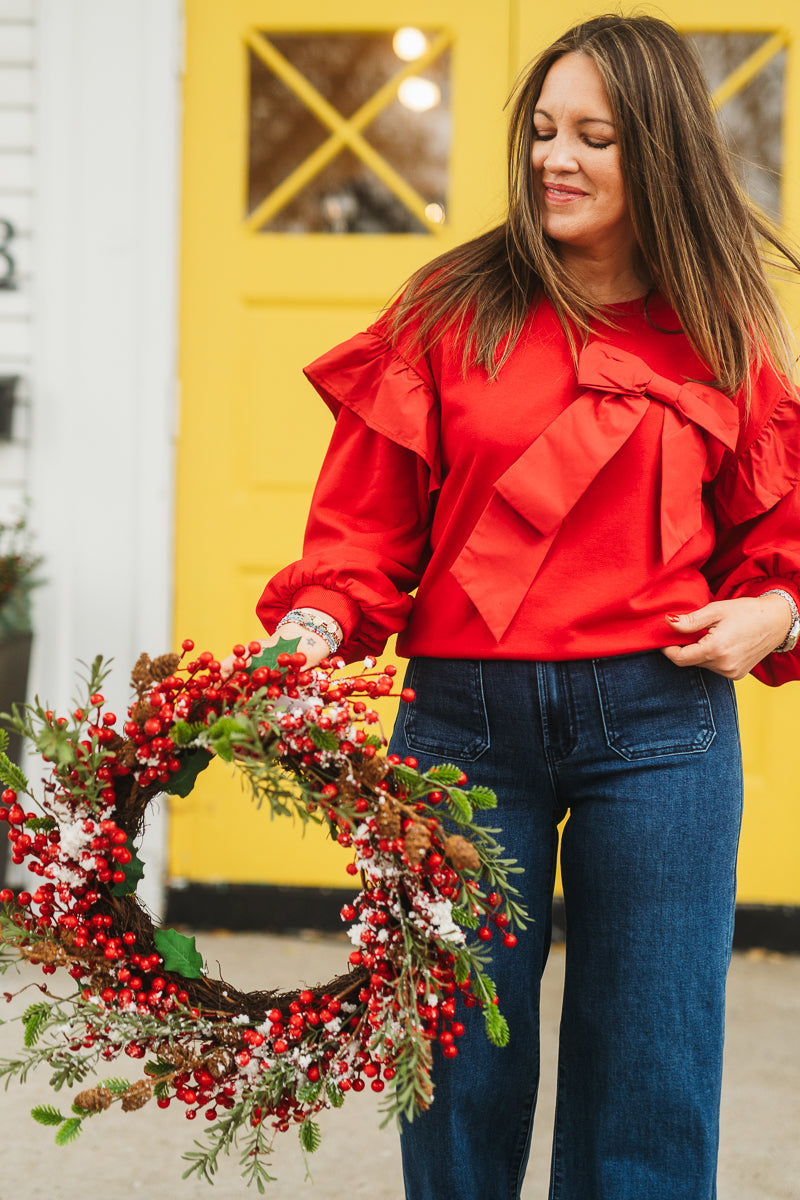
{"x":15,"y":653}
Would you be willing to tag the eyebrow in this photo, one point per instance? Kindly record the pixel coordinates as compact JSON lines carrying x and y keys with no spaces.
{"x":583,"y":120}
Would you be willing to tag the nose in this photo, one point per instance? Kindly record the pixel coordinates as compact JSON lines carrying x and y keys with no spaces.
{"x":560,"y":154}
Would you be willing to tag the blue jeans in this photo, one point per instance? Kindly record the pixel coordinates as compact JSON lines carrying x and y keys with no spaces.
{"x":645,"y":757}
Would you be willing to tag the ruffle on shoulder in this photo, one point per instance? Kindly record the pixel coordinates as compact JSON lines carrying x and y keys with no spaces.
{"x":767,"y":469}
{"x":370,"y":376}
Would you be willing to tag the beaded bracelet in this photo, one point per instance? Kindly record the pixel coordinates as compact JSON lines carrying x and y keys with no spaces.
{"x":791,"y":639}
{"x":316,"y":624}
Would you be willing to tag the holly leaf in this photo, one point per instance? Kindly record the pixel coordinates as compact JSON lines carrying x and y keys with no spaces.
{"x":269,"y":655}
{"x":46,"y":1114}
{"x":179,"y":953}
{"x":134,"y":871}
{"x":183,"y":781}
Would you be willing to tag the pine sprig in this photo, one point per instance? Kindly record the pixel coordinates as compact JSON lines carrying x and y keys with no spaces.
{"x":47,"y":1114}
{"x":310,"y":1136}
{"x":69,"y":1131}
{"x":35,"y":1019}
{"x":11,"y":775}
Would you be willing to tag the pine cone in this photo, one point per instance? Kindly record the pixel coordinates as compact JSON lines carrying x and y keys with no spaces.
{"x":373,"y":770}
{"x":177,"y":1055}
{"x":141,"y":711}
{"x":142,"y":673}
{"x":418,"y":842}
{"x":164,"y":666}
{"x":127,"y":755}
{"x":462,"y":853}
{"x":94,"y":1099}
{"x":387,"y":818}
{"x":49,"y":953}
{"x":219,"y":1063}
{"x":137,"y":1095}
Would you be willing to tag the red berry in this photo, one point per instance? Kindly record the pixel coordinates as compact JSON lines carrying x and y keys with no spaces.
{"x":510,"y":940}
{"x":408,"y":695}
{"x":187,"y":645}
{"x":485,"y":933}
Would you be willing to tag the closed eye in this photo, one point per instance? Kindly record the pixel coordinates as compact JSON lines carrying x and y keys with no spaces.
{"x":593,"y":143}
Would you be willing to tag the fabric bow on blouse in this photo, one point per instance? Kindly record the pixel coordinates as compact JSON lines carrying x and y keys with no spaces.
{"x":532,"y":498}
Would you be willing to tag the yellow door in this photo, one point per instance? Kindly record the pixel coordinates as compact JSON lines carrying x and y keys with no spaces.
{"x":328,"y":151}
{"x":310,"y":192}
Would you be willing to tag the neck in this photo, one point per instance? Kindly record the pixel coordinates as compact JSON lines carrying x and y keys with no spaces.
{"x":609,"y":279}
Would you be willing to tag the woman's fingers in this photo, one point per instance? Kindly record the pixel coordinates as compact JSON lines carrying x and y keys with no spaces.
{"x":731,"y":636}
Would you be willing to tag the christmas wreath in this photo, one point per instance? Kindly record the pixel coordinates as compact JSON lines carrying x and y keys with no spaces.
{"x":306,"y":743}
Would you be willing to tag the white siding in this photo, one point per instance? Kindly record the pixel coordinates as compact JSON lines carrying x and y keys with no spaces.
{"x":17,"y":136}
{"x":89,"y":170}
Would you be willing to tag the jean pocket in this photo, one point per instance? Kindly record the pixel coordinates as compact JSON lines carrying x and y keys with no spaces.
{"x":448,"y":717}
{"x":651,"y":708}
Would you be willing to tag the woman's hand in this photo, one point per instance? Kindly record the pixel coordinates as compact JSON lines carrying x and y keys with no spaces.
{"x":311,"y":644}
{"x":733,"y":635}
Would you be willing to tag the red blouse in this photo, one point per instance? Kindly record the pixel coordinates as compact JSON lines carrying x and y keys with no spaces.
{"x":545,"y":514}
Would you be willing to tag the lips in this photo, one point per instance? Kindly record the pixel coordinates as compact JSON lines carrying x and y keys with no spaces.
{"x":562,"y":191}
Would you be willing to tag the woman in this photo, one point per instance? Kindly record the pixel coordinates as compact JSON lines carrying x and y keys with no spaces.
{"x":571,"y":436}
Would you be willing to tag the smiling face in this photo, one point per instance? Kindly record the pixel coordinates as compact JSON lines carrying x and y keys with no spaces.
{"x":577,"y":173}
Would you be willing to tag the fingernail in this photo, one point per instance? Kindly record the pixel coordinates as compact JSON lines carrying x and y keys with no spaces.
{"x":673,"y":616}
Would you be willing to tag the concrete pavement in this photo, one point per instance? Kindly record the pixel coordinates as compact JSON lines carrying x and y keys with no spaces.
{"x":121,"y":1156}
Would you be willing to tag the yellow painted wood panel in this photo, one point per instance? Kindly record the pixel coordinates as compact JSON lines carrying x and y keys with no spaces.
{"x":254,"y":308}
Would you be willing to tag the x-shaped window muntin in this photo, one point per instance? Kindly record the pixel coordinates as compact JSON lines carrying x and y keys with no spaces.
{"x":345,"y":131}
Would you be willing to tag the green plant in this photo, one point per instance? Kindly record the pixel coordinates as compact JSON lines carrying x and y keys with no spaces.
{"x":18,"y":566}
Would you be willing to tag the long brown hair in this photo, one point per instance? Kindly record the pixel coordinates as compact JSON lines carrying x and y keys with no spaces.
{"x":699,"y":237}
